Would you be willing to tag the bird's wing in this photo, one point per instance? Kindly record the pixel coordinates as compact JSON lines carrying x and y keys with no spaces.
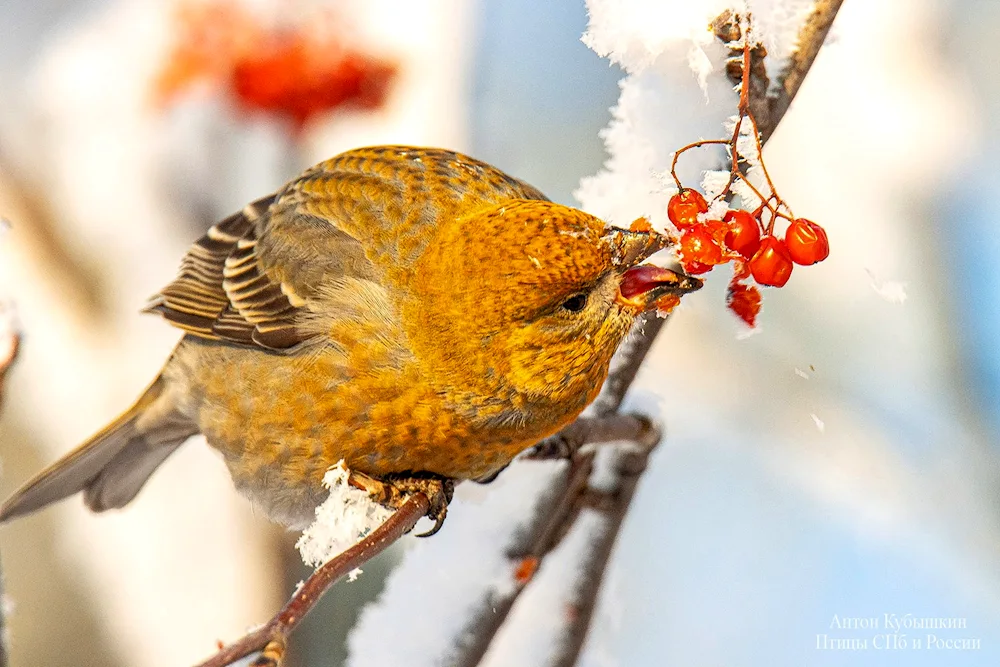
{"x":251,"y":278}
{"x":229,"y":288}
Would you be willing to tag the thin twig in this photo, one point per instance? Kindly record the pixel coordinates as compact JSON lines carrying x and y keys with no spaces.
{"x":550,"y":522}
{"x":277,"y":630}
{"x":8,"y":354}
{"x":590,"y":431}
{"x":629,"y":465}
{"x":554,"y":517}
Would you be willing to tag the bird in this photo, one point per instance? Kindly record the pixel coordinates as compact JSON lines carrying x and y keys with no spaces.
{"x":414,"y":313}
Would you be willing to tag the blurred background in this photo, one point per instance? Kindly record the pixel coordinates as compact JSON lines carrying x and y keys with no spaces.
{"x":840,"y":462}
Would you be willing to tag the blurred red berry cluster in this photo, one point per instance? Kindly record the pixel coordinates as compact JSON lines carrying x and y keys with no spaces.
{"x":742,"y":237}
{"x":293,"y":71}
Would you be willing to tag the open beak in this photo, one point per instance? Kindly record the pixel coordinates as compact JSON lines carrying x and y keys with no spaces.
{"x":643,"y":287}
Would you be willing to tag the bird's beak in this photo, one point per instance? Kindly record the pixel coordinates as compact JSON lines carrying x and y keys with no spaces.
{"x":628,"y":248}
{"x":644,"y":287}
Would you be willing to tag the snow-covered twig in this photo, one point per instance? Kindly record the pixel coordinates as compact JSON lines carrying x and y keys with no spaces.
{"x":569,"y":494}
{"x":613,"y":504}
{"x":272,"y":638}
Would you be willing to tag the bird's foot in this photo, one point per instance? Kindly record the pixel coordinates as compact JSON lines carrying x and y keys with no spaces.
{"x":393,"y":490}
{"x":273,"y":653}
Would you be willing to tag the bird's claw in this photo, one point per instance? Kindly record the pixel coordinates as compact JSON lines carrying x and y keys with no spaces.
{"x":272,"y":655}
{"x":396,"y":489}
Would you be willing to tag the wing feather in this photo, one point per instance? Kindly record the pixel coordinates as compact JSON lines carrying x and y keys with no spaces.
{"x":252,"y":277}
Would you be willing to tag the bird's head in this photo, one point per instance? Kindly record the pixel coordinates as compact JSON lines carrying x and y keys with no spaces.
{"x":532,"y":297}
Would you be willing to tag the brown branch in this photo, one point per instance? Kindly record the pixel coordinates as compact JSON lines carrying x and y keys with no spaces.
{"x":554,"y":516}
{"x":8,"y":354}
{"x":591,"y":431}
{"x":48,"y":243}
{"x":629,"y":465}
{"x":811,"y":38}
{"x":7,"y":358}
{"x":548,"y":525}
{"x":272,"y":638}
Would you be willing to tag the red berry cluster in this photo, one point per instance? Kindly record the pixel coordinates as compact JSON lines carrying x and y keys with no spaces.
{"x":296,"y":70}
{"x":742,"y":237}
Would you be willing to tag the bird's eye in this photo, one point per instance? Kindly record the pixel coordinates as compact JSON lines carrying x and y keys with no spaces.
{"x":575,"y":303}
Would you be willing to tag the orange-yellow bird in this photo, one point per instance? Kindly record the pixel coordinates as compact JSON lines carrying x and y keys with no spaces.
{"x":412,"y":311}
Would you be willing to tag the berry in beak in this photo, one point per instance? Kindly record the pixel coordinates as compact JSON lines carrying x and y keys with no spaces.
{"x":643,"y":286}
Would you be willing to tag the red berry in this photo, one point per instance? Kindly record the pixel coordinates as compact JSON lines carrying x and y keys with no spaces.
{"x":684,"y":207}
{"x":696,"y":268}
{"x":744,"y":300}
{"x":807,"y":242}
{"x":699,"y":250}
{"x":744,"y":233}
{"x":772,"y":265}
{"x":641,"y":224}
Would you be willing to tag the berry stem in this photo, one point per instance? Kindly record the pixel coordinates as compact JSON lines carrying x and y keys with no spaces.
{"x":694,"y":144}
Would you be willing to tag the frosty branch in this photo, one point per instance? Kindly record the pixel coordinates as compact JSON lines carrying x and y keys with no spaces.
{"x":272,"y":638}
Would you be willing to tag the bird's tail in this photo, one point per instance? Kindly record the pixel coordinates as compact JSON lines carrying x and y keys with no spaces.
{"x":113,"y":465}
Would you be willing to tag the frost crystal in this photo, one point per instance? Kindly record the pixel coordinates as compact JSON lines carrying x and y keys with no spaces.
{"x":820,"y":426}
{"x":713,"y":182}
{"x":893,"y":291}
{"x":634,"y":33}
{"x":748,"y":198}
{"x":745,"y":333}
{"x":345,"y":517}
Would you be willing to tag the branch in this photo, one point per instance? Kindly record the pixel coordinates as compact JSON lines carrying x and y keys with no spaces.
{"x":272,"y":638}
{"x":552,"y":520}
{"x":570,"y":491}
{"x":811,"y":38}
{"x":9,"y":347}
{"x":629,"y":466}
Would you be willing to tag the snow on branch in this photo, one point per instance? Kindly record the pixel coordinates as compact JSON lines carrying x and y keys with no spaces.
{"x":676,"y":90}
{"x":347,"y":515}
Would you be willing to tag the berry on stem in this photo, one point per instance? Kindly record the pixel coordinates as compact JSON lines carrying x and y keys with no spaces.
{"x":772,"y":265}
{"x":684,"y":207}
{"x":744,"y":300}
{"x":699,"y":250}
{"x":806,"y":242}
{"x":743,"y":235}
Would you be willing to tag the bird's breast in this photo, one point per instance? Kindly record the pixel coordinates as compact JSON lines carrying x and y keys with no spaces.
{"x":281,"y":421}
